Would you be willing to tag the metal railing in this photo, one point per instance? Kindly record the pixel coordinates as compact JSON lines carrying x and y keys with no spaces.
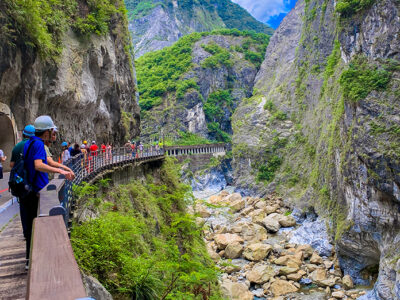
{"x":87,"y":165}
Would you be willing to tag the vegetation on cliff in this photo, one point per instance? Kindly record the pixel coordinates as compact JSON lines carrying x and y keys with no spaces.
{"x":41,"y":24}
{"x":144,"y":244}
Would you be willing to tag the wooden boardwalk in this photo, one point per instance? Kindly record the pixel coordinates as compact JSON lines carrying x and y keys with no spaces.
{"x":13,"y":277}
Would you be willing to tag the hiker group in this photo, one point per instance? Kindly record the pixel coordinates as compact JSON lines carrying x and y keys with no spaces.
{"x":31,"y":162}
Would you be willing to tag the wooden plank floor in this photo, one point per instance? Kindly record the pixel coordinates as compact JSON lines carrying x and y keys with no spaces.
{"x":13,"y":277}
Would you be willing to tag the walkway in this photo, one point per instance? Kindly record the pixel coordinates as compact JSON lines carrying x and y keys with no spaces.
{"x":12,"y":262}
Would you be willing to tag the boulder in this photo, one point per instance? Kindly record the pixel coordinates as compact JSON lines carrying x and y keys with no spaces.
{"x":94,"y":288}
{"x":260,"y":273}
{"x":233,"y":250}
{"x":215,"y":199}
{"x":233,"y":198}
{"x":316,"y":259}
{"x":257,"y":252}
{"x":238,"y":205}
{"x":223,"y":240}
{"x":253,"y":232}
{"x":214,"y":255}
{"x":306,"y":249}
{"x":318,"y":276}
{"x":287,"y":221}
{"x":271,"y":223}
{"x":348,"y":282}
{"x":224,"y":193}
{"x":270,"y":209}
{"x":282,"y":287}
{"x":247,"y":211}
{"x":260,"y":205}
{"x":287,"y":270}
{"x":236,"y":290}
{"x":338,"y":295}
{"x":202,"y":211}
{"x":258,"y":216}
{"x":295,"y":276}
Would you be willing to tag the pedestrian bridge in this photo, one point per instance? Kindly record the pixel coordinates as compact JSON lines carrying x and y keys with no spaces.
{"x":53,"y":271}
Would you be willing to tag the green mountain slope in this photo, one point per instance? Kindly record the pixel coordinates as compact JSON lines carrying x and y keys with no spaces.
{"x":196,"y":84}
{"x":157,"y":24}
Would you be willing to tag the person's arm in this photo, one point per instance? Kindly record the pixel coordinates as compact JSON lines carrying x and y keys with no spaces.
{"x":3,"y":158}
{"x":55,"y":164}
{"x":42,"y":167}
{"x":12,"y":164}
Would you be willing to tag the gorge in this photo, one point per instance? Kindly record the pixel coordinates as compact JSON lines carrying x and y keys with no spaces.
{"x":305,"y":203}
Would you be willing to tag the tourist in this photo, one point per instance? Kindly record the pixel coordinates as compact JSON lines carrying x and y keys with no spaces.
{"x":93,"y":148}
{"x":50,"y":161}
{"x":76,"y":150}
{"x":86,"y":147}
{"x":2,"y":159}
{"x":37,"y":168}
{"x":84,"y":157}
{"x":108,"y":151}
{"x":16,"y":156}
{"x":65,"y":154}
{"x":133,"y":149}
{"x":140,"y":149}
{"x":70,"y":148}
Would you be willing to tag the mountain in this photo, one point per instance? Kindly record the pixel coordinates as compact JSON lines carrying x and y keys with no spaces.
{"x":155,"y":24}
{"x":194,"y":86}
{"x":322,"y":129}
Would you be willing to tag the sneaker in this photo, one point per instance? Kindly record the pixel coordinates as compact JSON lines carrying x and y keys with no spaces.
{"x":27,"y":265}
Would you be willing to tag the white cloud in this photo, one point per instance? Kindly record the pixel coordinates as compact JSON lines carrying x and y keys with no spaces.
{"x":263,"y":10}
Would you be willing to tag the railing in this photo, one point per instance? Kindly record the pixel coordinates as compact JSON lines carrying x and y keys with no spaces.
{"x":218,"y":148}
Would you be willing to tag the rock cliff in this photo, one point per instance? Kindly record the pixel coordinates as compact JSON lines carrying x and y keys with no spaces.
{"x":195,"y":85}
{"x":85,"y":83}
{"x":155,"y":24}
{"x":324,"y":121}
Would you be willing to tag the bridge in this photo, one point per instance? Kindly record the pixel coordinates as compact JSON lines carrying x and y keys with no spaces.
{"x":53,"y":271}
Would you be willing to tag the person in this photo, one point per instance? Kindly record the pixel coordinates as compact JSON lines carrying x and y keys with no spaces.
{"x":36,"y":166}
{"x":84,"y":157}
{"x":109,"y":152}
{"x":133,"y":148}
{"x":50,"y":161}
{"x":86,"y":147}
{"x":16,"y":156}
{"x":141,"y":149}
{"x":93,"y":148}
{"x":2,"y":159}
{"x":70,"y":148}
{"x":76,"y":150}
{"x":65,"y":155}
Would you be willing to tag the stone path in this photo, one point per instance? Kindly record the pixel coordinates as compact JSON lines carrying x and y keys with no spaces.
{"x":13,"y":276}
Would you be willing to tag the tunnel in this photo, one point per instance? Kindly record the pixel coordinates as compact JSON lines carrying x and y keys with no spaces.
{"x":7,"y":139}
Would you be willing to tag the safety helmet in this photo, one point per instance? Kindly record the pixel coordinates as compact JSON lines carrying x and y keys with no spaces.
{"x":83,"y":146}
{"x":93,"y":142}
{"x":29,"y":130}
{"x":44,"y":123}
{"x":64,"y":144}
{"x":84,"y":142}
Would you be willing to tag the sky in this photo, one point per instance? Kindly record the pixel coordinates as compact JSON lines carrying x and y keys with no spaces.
{"x":268,"y":11}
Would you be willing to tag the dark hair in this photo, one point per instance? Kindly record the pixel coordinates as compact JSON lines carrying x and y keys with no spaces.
{"x":40,"y":133}
{"x":76,"y":147}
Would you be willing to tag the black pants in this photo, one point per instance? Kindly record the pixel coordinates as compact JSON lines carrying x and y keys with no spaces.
{"x":1,"y":172}
{"x":29,"y":207}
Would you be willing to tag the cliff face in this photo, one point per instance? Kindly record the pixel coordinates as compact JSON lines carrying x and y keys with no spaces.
{"x":88,"y":88}
{"x":159,"y":23}
{"x":325,"y":122}
{"x":199,"y":96}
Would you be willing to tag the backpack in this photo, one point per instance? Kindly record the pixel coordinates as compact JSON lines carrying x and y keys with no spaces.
{"x":18,"y":183}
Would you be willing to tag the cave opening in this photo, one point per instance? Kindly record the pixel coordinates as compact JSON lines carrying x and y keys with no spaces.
{"x":7,"y":139}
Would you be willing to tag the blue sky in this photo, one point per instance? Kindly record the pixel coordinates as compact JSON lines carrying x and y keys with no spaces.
{"x":268,"y":11}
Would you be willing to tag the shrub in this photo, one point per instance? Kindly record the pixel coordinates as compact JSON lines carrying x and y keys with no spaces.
{"x":144,"y":245}
{"x":361,"y":78}
{"x":347,"y":8}
{"x":267,"y":171}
